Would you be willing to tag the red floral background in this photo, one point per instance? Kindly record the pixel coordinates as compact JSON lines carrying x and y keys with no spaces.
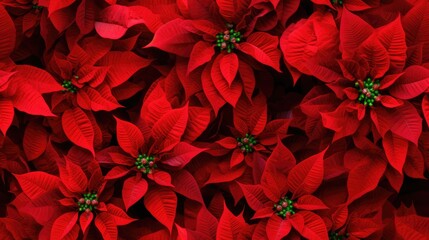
{"x":214,"y":119}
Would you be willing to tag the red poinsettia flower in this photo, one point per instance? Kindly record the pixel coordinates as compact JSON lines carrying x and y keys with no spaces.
{"x":371,"y":86}
{"x":71,"y":203}
{"x":150,"y":153}
{"x":283,"y":199}
{"x":26,"y":13}
{"x":89,"y":70}
{"x":216,"y":39}
{"x":252,"y":135}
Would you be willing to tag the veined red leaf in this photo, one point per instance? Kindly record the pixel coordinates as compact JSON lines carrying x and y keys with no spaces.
{"x":198,"y":121}
{"x":314,"y":227}
{"x":392,"y":36}
{"x":277,"y":228}
{"x":78,"y":128}
{"x":122,"y":65}
{"x":173,"y":37}
{"x":133,"y":190}
{"x":121,"y":218}
{"x":35,"y":140}
{"x":161,"y":202}
{"x":162,"y":178}
{"x":229,"y":66}
{"x":129,"y":137}
{"x":63,"y":225}
{"x":412,"y":83}
{"x":353,"y":31}
{"x":229,"y":226}
{"x":263,"y":47}
{"x":201,"y":53}
{"x":425,"y":108}
{"x":406,"y":122}
{"x":85,"y":220}
{"x":307,"y":175}
{"x":230,"y":92}
{"x":232,"y":10}
{"x":182,"y":154}
{"x":115,"y":20}
{"x":28,"y":100}
{"x":39,"y":79}
{"x":396,"y":149}
{"x":185,"y":184}
{"x":117,"y":172}
{"x":310,"y":202}
{"x":8,"y":33}
{"x":35,"y":184}
{"x":212,"y":94}
{"x":73,"y":177}
{"x":254,"y":195}
{"x":364,"y":176}
{"x":97,"y":99}
{"x":105,"y":223}
{"x":7,"y":112}
{"x":168,"y":131}
{"x":85,"y":16}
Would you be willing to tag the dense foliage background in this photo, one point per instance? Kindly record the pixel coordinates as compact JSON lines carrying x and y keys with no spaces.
{"x":214,"y":119}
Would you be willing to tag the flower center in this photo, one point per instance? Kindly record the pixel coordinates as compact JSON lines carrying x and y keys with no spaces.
{"x":69,"y":87}
{"x":337,"y":2}
{"x":336,"y":236}
{"x":227,"y":40}
{"x":145,"y":163}
{"x":246,"y":143}
{"x":88,"y":202}
{"x":35,"y":5}
{"x":285,"y":207}
{"x":368,"y":91}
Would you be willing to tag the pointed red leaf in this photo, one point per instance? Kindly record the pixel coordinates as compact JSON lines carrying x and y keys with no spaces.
{"x":353,"y":31}
{"x":121,"y":218}
{"x":8,"y":33}
{"x":105,"y":223}
{"x":174,"y":37}
{"x":39,"y":79}
{"x":229,"y":226}
{"x":85,"y":220}
{"x":7,"y":112}
{"x":168,"y":131}
{"x":63,"y":225}
{"x":254,"y":195}
{"x":396,"y":149}
{"x":201,"y":53}
{"x":36,"y":184}
{"x":161,"y":202}
{"x":122,"y":65}
{"x":184,"y":183}
{"x":363,"y":177}
{"x":78,"y":128}
{"x":129,"y":137}
{"x":73,"y":177}
{"x":314,"y":227}
{"x":181,"y":155}
{"x":309,"y":202}
{"x":277,"y":228}
{"x":35,"y":140}
{"x":307,"y":176}
{"x":115,"y":20}
{"x":229,"y":67}
{"x":263,"y":47}
{"x":412,"y":83}
{"x":133,"y":190}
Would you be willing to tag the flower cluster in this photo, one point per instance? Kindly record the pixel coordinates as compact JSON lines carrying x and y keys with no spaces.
{"x":203,"y":119}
